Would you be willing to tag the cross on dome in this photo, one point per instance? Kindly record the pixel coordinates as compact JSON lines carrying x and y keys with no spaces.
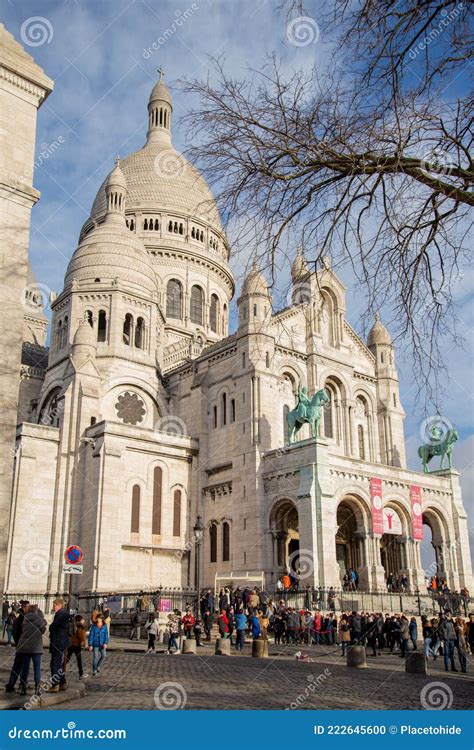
{"x":161,"y":72}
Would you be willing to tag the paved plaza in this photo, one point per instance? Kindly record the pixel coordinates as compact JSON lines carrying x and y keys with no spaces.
{"x":133,"y":680}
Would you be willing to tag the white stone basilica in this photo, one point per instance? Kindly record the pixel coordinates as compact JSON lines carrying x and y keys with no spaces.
{"x":145,"y":413}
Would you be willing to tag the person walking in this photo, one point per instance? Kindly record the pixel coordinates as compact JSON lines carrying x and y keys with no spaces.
{"x":255,"y":627}
{"x":59,"y":642}
{"x":30,"y":646}
{"x":461,"y":643}
{"x":5,"y":613}
{"x":208,"y":621}
{"x":188,"y":622}
{"x":151,"y":628}
{"x":16,"y":634}
{"x":135,"y":623}
{"x":78,"y":642}
{"x":9,"y":628}
{"x":447,"y":634}
{"x":413,"y":631}
{"x":98,"y":640}
{"x":345,"y":635}
{"x":223,"y":624}
{"x":198,"y":632}
{"x":404,"y":636}
{"x":173,"y":632}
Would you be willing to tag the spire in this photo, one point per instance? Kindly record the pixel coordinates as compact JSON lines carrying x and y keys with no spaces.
{"x":116,"y":192}
{"x":160,"y":107}
{"x":299,"y":268}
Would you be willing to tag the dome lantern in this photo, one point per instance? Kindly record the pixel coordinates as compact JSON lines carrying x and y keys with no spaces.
{"x":160,"y":107}
{"x":116,"y":192}
{"x":378,"y":334}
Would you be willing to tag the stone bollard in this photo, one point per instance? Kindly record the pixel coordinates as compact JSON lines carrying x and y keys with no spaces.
{"x":356,"y":657}
{"x":222,"y":647}
{"x":189,"y":646}
{"x":260,"y":649}
{"x":416,"y":663}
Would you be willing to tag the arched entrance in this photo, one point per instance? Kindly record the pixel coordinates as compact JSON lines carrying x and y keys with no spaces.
{"x":392,"y":546}
{"x":433,"y":547}
{"x":286,"y":536}
{"x":350,"y":535}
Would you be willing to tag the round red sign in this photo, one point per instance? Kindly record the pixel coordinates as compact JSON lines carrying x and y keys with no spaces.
{"x":73,"y":554}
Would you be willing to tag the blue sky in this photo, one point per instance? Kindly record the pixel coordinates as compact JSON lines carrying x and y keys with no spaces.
{"x":96,"y":52}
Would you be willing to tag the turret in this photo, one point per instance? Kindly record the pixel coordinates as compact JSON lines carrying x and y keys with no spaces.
{"x":160,"y":108}
{"x":254,"y":303}
{"x":389,"y":408}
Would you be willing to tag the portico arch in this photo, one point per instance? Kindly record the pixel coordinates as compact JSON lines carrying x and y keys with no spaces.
{"x":284,"y":527}
{"x":352,"y":527}
{"x":434,"y":549}
{"x":393,"y":543}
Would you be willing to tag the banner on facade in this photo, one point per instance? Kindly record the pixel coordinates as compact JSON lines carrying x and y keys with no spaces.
{"x":376,"y":502}
{"x":391,"y":522}
{"x":416,"y":512}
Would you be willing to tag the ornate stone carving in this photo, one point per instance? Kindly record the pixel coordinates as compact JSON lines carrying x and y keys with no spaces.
{"x":130,"y":408}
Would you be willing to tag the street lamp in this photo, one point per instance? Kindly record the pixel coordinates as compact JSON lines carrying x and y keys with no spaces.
{"x":198,"y":529}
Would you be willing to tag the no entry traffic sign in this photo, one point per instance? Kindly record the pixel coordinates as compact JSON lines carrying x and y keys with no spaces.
{"x":73,"y":554}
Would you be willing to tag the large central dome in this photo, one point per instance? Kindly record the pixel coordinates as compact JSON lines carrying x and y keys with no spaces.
{"x":159,"y":177}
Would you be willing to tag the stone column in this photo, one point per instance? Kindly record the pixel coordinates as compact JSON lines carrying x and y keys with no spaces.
{"x":23,"y":88}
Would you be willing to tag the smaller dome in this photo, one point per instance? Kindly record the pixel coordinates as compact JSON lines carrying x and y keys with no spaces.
{"x":84,"y":335}
{"x":378,"y":333}
{"x":116,"y":178}
{"x":299,"y":269}
{"x":160,"y":93}
{"x":255,"y":283}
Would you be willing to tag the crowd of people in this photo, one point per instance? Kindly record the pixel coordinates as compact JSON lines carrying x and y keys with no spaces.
{"x":24,"y":624}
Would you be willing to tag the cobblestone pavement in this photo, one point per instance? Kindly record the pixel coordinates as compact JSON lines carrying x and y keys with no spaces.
{"x":131,"y":680}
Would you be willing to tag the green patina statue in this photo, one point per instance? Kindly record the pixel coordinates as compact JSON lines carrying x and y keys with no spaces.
{"x":307,"y":410}
{"x":440,"y":445}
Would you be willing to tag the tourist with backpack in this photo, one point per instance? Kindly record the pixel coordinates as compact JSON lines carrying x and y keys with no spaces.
{"x":78,"y":641}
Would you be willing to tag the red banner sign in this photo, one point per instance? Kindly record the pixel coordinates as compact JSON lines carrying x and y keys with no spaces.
{"x":376,"y":502}
{"x":416,"y":512}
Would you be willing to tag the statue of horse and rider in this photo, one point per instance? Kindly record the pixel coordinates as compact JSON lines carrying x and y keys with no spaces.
{"x":307,"y":411}
{"x":440,"y":444}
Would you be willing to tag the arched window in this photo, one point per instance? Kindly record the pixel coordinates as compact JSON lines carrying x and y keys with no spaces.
{"x":213,"y":313}
{"x":224,"y":409}
{"x":140,"y":334}
{"x":267,"y":359}
{"x":177,"y":513}
{"x":213,"y":543}
{"x":157,"y":492}
{"x":174,"y":299}
{"x":170,"y":226}
{"x":381,"y":357}
{"x":127,"y":329}
{"x":215,"y":416}
{"x":286,"y":437}
{"x":329,"y":415}
{"x":59,"y":334}
{"x":225,"y":541}
{"x":135,"y":521}
{"x":145,"y":224}
{"x":157,"y":225}
{"x":181,"y":229}
{"x":193,"y":233}
{"x":232,"y":410}
{"x":360,"y":437}
{"x":90,"y":318}
{"x":196,"y":306}
{"x":102,"y":326}
{"x":394,"y":400}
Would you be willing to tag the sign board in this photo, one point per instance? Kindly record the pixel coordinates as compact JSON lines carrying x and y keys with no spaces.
{"x":376,"y":503}
{"x":166,"y":605}
{"x":73,"y":569}
{"x":391,"y":522}
{"x":416,"y":512}
{"x":73,"y":554}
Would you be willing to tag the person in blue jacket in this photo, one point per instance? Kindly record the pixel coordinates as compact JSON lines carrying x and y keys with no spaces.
{"x":255,"y":626}
{"x":98,"y":640}
{"x":241,"y":623}
{"x":413,"y":630}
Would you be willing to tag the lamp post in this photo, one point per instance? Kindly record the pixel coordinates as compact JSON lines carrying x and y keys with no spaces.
{"x":198,"y":529}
